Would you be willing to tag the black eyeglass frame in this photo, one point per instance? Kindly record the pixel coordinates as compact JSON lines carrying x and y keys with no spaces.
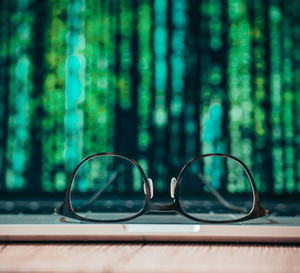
{"x":67,"y":210}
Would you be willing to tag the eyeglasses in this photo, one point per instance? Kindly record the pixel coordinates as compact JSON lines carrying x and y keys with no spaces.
{"x":110,"y":188}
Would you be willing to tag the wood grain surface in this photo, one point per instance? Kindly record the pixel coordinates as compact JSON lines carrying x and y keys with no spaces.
{"x":148,"y":257}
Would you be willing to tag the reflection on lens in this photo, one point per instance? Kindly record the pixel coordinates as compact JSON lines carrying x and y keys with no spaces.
{"x":206,"y":189}
{"x":107,"y":188}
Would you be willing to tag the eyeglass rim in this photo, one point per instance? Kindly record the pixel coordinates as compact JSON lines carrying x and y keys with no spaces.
{"x":257,"y":209}
{"x":67,"y":210}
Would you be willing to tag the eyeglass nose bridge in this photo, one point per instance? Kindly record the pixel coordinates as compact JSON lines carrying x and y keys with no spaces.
{"x":172,"y":187}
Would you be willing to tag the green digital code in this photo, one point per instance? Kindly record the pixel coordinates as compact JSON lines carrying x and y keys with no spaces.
{"x":159,"y":81}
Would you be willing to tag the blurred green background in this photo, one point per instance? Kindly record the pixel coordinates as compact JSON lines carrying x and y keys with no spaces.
{"x":160,"y":81}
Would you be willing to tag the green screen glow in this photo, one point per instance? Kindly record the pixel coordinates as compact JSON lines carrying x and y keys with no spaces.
{"x":160,"y":81}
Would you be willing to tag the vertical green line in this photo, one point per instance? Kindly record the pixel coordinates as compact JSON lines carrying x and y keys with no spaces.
{"x":296,"y":88}
{"x":239,"y":65}
{"x":160,"y":81}
{"x":21,"y":73}
{"x":124,"y":82}
{"x":112,"y":80}
{"x":145,"y":73}
{"x":75,"y":84}
{"x":144,"y":87}
{"x":93,"y":138}
{"x":211,"y":93}
{"x":14,"y":43}
{"x":4,"y":60}
{"x":205,"y":89}
{"x":177,"y":73}
{"x":275,"y":18}
{"x":260,"y":95}
{"x":53,"y":101}
{"x":288,"y":99}
{"x":178,"y":68}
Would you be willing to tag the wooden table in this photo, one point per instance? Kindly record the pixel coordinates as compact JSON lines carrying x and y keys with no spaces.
{"x":148,"y":257}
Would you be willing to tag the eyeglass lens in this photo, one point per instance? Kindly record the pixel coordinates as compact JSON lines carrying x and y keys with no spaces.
{"x":107,"y":188}
{"x":202,"y":191}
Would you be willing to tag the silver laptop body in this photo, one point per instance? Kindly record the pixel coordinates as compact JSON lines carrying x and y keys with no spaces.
{"x":157,"y":227}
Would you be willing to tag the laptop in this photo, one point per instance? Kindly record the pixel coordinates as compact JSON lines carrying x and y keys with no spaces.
{"x":161,"y":82}
{"x":36,"y":221}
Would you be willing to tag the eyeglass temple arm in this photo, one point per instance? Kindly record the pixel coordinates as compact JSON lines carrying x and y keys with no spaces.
{"x":219,"y":197}
{"x":94,"y":198}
